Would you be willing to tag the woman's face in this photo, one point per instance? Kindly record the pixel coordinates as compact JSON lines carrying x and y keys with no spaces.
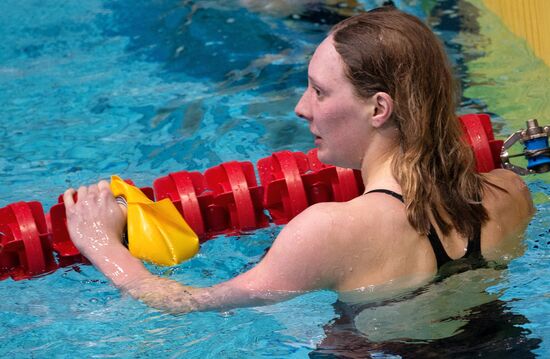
{"x":338,"y":118}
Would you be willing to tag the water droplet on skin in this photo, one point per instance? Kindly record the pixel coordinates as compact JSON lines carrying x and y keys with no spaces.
{"x":298,"y":235}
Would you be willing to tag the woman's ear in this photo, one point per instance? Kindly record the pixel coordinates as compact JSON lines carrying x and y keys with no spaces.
{"x":383,"y":109}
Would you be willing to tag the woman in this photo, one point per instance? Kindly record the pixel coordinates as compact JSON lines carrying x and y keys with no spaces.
{"x":282,"y":8}
{"x":380,"y":99}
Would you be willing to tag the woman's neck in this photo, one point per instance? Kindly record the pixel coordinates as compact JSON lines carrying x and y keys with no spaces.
{"x":376,"y":166}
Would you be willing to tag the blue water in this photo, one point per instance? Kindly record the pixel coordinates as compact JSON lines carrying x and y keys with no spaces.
{"x":141,"y":89}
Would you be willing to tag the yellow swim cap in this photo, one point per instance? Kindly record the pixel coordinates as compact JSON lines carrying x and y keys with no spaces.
{"x":157,"y":232}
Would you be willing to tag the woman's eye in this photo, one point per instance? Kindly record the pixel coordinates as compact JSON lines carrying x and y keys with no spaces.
{"x":317,"y":91}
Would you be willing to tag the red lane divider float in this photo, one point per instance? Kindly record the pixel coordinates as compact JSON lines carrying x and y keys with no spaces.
{"x":226,"y":199}
{"x":479,"y":134}
{"x":25,"y":243}
{"x":188,"y":192}
{"x":236,"y":191}
{"x":281,"y":175}
{"x":345,"y":183}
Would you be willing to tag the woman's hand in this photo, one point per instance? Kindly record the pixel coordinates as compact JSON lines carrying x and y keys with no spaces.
{"x":95,"y":222}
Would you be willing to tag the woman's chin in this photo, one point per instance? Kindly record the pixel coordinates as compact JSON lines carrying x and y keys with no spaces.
{"x":322,"y":155}
{"x":330,"y":159}
{"x":325,"y":157}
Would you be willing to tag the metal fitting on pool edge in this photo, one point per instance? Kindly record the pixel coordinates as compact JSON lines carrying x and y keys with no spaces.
{"x":536,"y":149}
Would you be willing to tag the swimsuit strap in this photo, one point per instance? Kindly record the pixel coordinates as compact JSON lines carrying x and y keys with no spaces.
{"x":387,"y":191}
{"x":441,"y":256}
{"x":473,"y":250}
{"x":474,"y":245}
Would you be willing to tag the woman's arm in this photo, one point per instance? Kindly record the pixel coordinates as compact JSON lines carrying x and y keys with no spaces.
{"x":299,"y":260}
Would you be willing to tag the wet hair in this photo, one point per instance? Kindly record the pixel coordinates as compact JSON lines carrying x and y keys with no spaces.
{"x":387,"y":50}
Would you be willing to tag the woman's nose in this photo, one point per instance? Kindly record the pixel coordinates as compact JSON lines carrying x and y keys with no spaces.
{"x":302,"y":107}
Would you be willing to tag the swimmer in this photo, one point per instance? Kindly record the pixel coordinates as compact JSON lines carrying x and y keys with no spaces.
{"x":284,"y":8}
{"x":380,"y":98}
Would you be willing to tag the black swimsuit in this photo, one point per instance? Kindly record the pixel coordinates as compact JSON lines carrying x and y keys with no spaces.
{"x":474,"y":244}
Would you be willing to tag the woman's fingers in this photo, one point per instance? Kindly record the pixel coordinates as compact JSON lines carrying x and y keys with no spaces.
{"x":104,"y":185}
{"x":93,"y":189}
{"x":82,"y":191}
{"x":68,"y":197}
{"x":105,"y":189}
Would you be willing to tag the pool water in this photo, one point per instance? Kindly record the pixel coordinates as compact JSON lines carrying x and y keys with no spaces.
{"x":141,"y":89}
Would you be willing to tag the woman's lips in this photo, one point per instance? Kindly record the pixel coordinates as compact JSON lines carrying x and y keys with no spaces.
{"x":317,"y":140}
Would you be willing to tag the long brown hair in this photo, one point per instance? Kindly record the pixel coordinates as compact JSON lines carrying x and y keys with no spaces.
{"x":386,"y":50}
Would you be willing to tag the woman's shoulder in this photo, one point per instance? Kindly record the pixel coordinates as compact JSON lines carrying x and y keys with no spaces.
{"x":345,"y":222}
{"x":373,"y":221}
{"x":504,"y":177}
{"x":510,"y":208}
{"x":361,"y":236}
{"x":507,"y":189}
{"x":369,"y":208}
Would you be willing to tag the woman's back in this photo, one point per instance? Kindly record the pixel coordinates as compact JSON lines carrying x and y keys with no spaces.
{"x":379,"y":245}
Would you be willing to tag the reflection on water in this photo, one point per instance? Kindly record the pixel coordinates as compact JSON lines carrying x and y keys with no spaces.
{"x":455,"y":317}
{"x":503,"y":71}
{"x":489,"y":330}
{"x":434,"y":313}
